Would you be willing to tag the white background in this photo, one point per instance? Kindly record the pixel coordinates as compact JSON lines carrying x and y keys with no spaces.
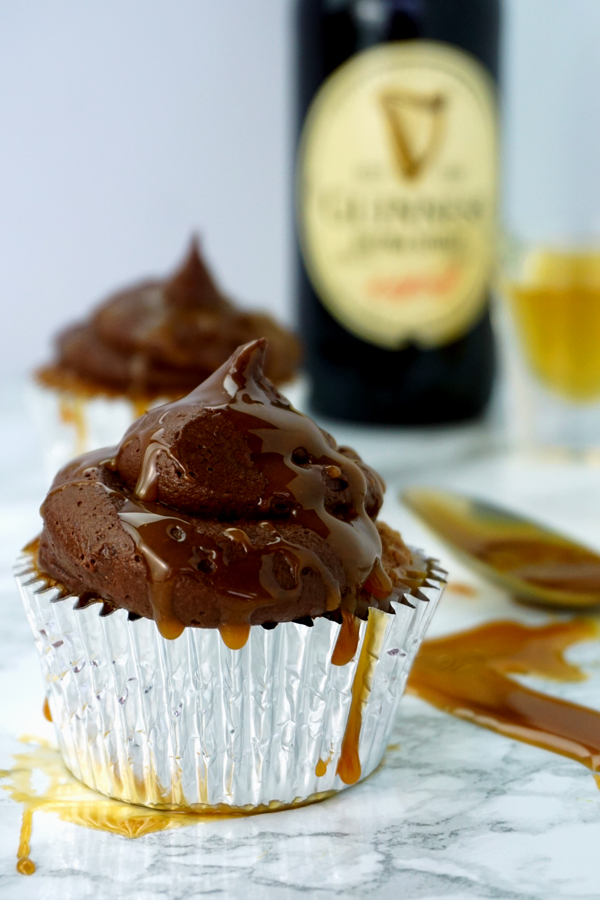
{"x":126,"y":124}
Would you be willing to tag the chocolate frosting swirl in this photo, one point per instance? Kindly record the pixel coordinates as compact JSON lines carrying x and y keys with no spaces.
{"x":166,"y":336}
{"x":225,"y":508}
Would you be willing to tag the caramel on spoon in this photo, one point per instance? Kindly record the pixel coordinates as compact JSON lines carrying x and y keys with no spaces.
{"x":532,"y":562}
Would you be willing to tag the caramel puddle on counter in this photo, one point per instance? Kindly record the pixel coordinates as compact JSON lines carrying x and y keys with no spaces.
{"x":77,"y":804}
{"x":468,"y":675}
{"x":73,"y":802}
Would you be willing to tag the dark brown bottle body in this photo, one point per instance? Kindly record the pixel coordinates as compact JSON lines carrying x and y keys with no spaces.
{"x":354,"y":377}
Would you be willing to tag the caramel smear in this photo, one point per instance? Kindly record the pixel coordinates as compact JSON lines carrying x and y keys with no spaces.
{"x":76,"y":804}
{"x":468,"y":675}
{"x":46,"y":710}
{"x":460,"y":587}
{"x":348,"y":767}
{"x":347,"y":641}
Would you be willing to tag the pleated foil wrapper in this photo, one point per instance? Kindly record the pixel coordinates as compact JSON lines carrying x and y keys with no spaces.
{"x":193,"y":724}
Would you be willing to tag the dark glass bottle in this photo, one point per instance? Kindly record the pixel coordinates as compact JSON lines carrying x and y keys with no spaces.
{"x":396,"y":241}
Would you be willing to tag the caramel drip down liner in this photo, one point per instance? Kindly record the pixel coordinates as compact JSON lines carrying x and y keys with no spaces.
{"x":190,"y":723}
{"x":70,"y":422}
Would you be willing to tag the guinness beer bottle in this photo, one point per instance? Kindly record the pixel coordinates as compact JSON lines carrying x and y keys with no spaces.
{"x":396,"y":205}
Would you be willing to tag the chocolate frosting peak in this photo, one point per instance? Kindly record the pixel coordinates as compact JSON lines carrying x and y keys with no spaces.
{"x":192,"y":286}
{"x":236,"y":447}
{"x":233,"y":498}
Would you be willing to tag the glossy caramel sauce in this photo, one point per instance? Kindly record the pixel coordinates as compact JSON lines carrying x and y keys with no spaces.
{"x":75,"y":386}
{"x":468,"y":675}
{"x":349,"y":767}
{"x":234,"y":636}
{"x":321,"y":767}
{"x":140,"y":406}
{"x":30,"y":551}
{"x":46,"y":710}
{"x":76,"y":804}
{"x":294,"y":456}
{"x":459,"y":587}
{"x":73,"y":802}
{"x":347,"y":640}
{"x":531,"y":561}
{"x":295,"y":488}
{"x":72,"y":412}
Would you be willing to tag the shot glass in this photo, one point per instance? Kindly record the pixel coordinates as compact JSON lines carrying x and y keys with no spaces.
{"x":551,"y":300}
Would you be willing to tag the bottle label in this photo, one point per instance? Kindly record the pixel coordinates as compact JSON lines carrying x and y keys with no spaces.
{"x":397,"y":193}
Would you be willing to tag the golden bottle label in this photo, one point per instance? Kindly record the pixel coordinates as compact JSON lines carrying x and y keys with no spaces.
{"x":397,"y":193}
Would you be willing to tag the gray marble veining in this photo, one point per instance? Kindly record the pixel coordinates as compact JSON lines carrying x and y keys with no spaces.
{"x":477,"y":816}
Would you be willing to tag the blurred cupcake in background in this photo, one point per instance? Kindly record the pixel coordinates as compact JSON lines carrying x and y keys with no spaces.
{"x":143,"y":346}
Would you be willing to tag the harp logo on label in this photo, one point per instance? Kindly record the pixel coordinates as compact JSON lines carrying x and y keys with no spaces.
{"x":416,"y":127}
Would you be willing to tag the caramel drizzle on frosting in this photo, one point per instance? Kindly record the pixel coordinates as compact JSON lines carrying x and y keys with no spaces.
{"x":170,"y":544}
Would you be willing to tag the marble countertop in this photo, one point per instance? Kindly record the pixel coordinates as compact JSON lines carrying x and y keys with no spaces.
{"x":454,"y":811}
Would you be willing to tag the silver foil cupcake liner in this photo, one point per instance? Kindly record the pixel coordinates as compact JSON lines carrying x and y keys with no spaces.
{"x":193,"y":724}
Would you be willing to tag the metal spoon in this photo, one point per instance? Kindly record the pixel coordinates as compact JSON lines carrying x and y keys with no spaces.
{"x":532,"y":562}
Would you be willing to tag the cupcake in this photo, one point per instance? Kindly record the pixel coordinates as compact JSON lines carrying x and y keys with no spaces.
{"x":222,"y":620}
{"x":149,"y":343}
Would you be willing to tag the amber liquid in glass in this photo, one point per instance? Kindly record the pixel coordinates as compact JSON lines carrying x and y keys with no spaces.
{"x":556,"y":308}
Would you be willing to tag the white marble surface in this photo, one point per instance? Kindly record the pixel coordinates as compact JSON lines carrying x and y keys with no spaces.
{"x":453,"y":812}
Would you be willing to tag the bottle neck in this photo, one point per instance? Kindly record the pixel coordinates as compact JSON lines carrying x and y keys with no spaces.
{"x":334,"y":30}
